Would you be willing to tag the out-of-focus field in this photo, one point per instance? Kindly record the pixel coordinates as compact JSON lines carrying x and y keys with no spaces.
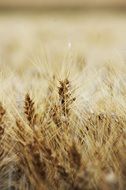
{"x":93,"y":35}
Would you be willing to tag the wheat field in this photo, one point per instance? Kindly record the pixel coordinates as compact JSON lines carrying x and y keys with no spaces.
{"x":63,"y":101}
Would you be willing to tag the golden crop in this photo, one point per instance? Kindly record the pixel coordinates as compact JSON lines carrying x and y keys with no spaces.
{"x":63,"y":113}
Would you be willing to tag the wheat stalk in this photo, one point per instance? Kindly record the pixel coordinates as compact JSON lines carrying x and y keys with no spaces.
{"x":29,"y":110}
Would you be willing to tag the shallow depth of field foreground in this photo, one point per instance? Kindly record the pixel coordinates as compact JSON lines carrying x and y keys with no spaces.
{"x":63,"y":101}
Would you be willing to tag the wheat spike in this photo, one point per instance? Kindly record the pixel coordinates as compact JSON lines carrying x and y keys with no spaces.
{"x":29,"y":110}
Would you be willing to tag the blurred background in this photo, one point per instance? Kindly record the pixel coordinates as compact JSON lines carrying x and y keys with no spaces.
{"x":40,"y":30}
{"x":61,"y":3}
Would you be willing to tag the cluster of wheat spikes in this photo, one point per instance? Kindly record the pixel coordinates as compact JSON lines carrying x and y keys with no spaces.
{"x":72,"y":138}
